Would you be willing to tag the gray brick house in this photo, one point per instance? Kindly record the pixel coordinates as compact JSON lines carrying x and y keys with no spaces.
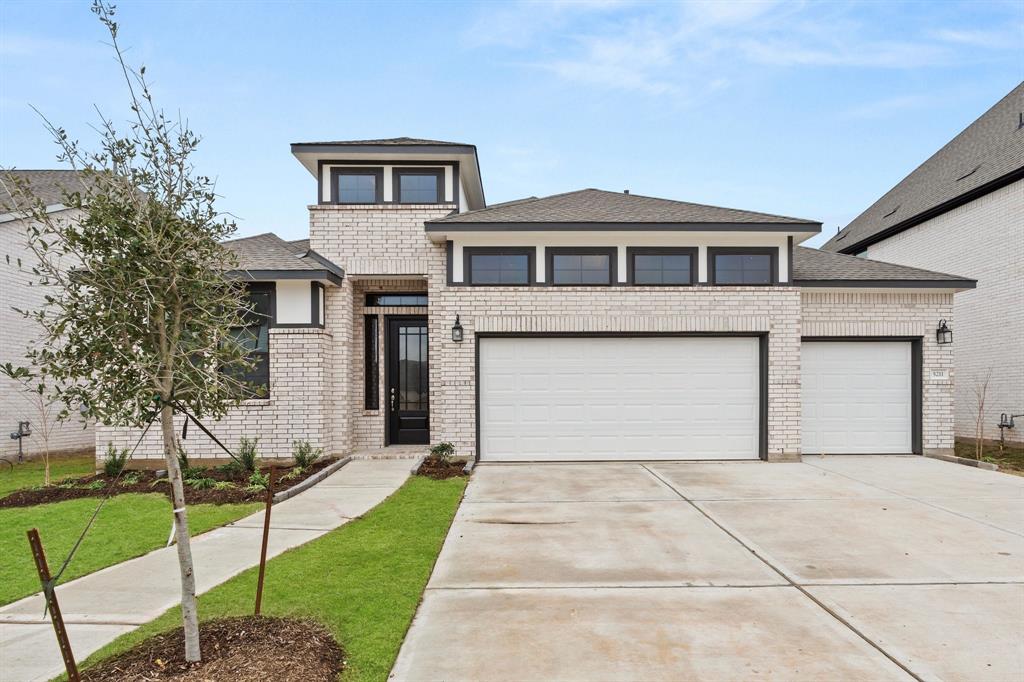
{"x":17,"y":333}
{"x":582,"y":326}
{"x":962,"y":210}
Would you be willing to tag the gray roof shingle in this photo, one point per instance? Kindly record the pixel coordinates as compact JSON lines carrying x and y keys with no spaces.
{"x":990,"y":149}
{"x":392,"y":141}
{"x":269,"y":252}
{"x":813,"y":265}
{"x":589,"y":206}
{"x":47,"y":185}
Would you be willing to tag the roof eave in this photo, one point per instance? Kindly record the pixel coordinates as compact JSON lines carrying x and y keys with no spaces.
{"x":441,"y":225}
{"x":957,"y":285}
{"x":271,"y":275}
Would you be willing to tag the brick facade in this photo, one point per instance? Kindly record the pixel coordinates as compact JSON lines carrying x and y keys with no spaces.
{"x":16,"y":334}
{"x":983,"y":239}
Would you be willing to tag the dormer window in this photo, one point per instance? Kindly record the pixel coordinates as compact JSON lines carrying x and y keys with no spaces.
{"x":416,"y":186}
{"x":357,"y":185}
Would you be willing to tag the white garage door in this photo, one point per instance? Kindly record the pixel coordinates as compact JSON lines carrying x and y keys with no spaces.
{"x":619,"y":398}
{"x":856,"y":397}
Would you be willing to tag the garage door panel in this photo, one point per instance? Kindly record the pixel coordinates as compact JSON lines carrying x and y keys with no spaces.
{"x":856,"y":397}
{"x":619,"y":398}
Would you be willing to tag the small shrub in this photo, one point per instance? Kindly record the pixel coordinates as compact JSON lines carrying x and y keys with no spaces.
{"x":443,"y":452}
{"x":248,"y":458}
{"x":188,"y":472}
{"x":201,"y":483}
{"x":258,"y":481}
{"x":95,"y":485}
{"x":305,"y":455}
{"x":129,"y":480}
{"x":232,"y":469}
{"x":224,"y":485}
{"x":114,"y":460}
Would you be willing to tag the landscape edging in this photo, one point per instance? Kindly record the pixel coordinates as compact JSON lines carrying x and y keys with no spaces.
{"x":311,"y":481}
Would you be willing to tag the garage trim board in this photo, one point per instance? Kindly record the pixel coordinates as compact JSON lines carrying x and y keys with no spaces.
{"x":916,"y":387}
{"x":755,"y":405}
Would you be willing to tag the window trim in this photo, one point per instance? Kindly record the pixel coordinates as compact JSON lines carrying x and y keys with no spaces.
{"x":549,"y":259}
{"x":772,"y":251}
{"x":352,"y":170}
{"x":371,"y":371}
{"x":467,"y":263}
{"x":269,"y":288}
{"x":633,"y":251}
{"x":396,"y":184}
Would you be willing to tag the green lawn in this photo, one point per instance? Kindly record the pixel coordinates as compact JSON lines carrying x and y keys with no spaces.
{"x":363,"y":580}
{"x":127,"y":526}
{"x":30,"y":474}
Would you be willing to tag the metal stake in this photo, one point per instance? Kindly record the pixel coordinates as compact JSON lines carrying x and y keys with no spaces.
{"x":266,"y":536}
{"x":51,"y":602}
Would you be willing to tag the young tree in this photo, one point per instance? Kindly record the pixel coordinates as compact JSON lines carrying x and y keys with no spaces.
{"x":45,"y":405}
{"x":980,"y":390}
{"x":141,"y":315}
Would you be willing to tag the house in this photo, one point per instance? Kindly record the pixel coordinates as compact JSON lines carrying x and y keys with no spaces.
{"x":18,"y":291}
{"x":581,"y":326}
{"x":962,"y":210}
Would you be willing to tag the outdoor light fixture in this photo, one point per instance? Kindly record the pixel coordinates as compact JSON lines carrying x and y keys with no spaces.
{"x":943,"y":334}
{"x":457,"y":331}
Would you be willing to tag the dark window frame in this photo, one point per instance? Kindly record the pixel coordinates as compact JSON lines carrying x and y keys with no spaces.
{"x":633,"y":251}
{"x":772,"y":251}
{"x":350,"y":170}
{"x":549,"y":259}
{"x":372,"y":301}
{"x":259,"y":376}
{"x":467,"y":263}
{"x":371,"y":362}
{"x":396,"y":184}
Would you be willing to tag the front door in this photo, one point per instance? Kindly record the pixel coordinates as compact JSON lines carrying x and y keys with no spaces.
{"x":407,"y":381}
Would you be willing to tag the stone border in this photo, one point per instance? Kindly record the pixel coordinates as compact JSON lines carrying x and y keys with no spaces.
{"x":988,"y":466}
{"x":417,"y":464}
{"x":311,"y":481}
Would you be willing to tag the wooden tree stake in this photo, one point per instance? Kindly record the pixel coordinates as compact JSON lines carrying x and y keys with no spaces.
{"x":266,"y":537}
{"x":51,"y":603}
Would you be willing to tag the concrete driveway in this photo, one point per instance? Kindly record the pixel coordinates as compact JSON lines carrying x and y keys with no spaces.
{"x":835,"y":568}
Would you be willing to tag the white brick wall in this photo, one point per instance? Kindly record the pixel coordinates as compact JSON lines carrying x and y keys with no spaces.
{"x":16,"y":333}
{"x":891,"y":314}
{"x":298,"y":407}
{"x":984,"y":240}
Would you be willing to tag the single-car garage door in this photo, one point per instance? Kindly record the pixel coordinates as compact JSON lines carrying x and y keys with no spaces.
{"x":857,"y":397}
{"x":609,"y":398}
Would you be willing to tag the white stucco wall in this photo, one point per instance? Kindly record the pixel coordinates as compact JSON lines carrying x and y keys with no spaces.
{"x":293,"y":301}
{"x":984,"y":240}
{"x":16,"y":333}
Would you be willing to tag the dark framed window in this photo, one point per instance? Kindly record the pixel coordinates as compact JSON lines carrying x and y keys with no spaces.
{"x":661,"y":266}
{"x":254,"y":337}
{"x":357,"y":185}
{"x":498,"y":265}
{"x":395,"y":300}
{"x":743,"y":265}
{"x":418,"y":186}
{"x":581,"y":266}
{"x":371,"y":363}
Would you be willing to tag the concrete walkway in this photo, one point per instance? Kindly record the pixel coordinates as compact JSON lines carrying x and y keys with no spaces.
{"x":842,"y":568}
{"x":103,"y":605}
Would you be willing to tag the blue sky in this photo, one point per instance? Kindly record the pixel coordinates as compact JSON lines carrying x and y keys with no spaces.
{"x":805,"y":109}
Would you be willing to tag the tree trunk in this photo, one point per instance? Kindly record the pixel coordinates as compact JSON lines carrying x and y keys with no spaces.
{"x":46,"y":466}
{"x":189,"y":614}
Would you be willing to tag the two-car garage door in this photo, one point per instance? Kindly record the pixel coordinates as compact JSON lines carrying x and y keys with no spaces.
{"x":593,"y":398}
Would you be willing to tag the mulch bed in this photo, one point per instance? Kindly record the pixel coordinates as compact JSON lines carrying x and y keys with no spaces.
{"x":74,"y":488}
{"x":438,"y":470}
{"x":242,"y":649}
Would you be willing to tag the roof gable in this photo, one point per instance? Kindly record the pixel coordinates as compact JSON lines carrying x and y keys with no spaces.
{"x":984,"y":156}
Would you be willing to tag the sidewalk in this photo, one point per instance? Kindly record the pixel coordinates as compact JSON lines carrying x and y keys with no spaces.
{"x":103,"y":605}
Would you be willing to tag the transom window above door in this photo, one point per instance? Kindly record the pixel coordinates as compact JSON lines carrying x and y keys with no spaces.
{"x":662,"y":266}
{"x":568,"y":266}
{"x":737,"y":266}
{"x":419,"y":186}
{"x":357,"y":185}
{"x":508,"y":266}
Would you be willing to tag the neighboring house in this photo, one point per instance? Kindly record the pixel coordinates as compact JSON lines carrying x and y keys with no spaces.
{"x":18,"y":333}
{"x":962,"y":210}
{"x":582,"y":326}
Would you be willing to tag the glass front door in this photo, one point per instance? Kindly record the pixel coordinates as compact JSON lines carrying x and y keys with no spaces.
{"x":408,"y":388}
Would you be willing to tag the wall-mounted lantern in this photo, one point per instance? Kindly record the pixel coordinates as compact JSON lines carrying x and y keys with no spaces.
{"x":943,"y":334}
{"x":457,"y":332}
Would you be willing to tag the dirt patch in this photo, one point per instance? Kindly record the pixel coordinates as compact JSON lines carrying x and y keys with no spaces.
{"x":1010,"y":458}
{"x":437,"y":469}
{"x":217,"y":486}
{"x":243,"y":649}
